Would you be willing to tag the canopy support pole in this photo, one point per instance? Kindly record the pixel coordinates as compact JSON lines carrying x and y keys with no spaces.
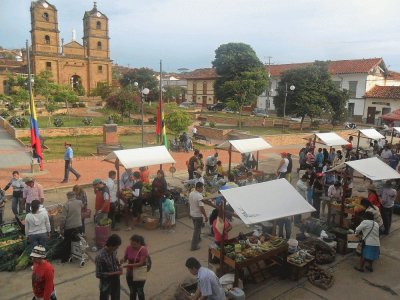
{"x":257,"y":161}
{"x":358,"y":144}
{"x":391,"y":140}
{"x":313,"y":143}
{"x":118,"y":187}
{"x":230,"y":158}
{"x":221,"y":259}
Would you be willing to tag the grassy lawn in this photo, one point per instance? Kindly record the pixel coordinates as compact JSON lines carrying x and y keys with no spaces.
{"x":260,"y":130}
{"x":86,"y":145}
{"x":74,"y":121}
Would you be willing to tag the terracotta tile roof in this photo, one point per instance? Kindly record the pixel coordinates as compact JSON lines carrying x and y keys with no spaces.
{"x":335,"y":67}
{"x":393,"y":75}
{"x":384,"y":92}
{"x":206,"y":73}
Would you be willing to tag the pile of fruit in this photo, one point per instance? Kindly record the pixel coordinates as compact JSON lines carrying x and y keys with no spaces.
{"x":126,"y":194}
{"x":354,"y":203}
{"x":8,"y":242}
{"x":54,"y":210}
{"x":252,"y":247}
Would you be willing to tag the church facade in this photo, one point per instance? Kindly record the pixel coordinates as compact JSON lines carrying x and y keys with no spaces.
{"x":83,"y":65}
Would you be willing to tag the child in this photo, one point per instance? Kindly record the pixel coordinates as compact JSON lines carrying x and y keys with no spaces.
{"x":168,"y":212}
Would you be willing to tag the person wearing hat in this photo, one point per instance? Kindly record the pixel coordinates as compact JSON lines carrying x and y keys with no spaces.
{"x":68,"y":156}
{"x":42,"y":275}
{"x":283,"y":164}
{"x":389,"y":195}
{"x":373,"y":196}
{"x":32,"y":191}
{"x":71,"y":225}
{"x":102,"y":202}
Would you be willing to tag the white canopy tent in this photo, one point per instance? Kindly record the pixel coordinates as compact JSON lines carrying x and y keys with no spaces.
{"x":250,"y":145}
{"x":266,"y":201}
{"x":244,"y":146}
{"x":371,"y":134}
{"x":397,"y":129}
{"x":139,"y":157}
{"x":331,"y":139}
{"x":374,"y":169}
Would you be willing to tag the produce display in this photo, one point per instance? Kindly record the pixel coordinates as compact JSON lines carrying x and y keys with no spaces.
{"x":9,"y":242}
{"x":54,"y":210}
{"x":104,"y":222}
{"x":251,"y":247}
{"x":354,"y":203}
{"x":299,"y":258}
{"x":126,"y":194}
{"x":9,"y":228}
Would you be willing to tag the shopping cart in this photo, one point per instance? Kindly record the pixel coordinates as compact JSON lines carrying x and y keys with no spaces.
{"x":78,"y":250}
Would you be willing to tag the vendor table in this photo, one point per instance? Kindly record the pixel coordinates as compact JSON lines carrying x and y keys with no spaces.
{"x":299,"y":269}
{"x":257,"y":266}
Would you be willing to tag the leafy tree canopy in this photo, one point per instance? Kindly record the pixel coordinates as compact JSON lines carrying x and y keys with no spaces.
{"x":178,"y":121}
{"x":145,"y":77}
{"x":238,"y":67}
{"x":315,"y":93}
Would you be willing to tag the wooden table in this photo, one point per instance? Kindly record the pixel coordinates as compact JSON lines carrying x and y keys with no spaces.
{"x":299,"y":269}
{"x":257,"y":266}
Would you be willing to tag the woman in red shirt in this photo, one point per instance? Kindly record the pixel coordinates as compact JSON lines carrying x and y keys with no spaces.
{"x":218,"y":228}
{"x":373,"y":196}
{"x":136,"y":254}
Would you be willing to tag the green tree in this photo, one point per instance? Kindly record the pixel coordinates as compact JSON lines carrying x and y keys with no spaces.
{"x":102,"y":90}
{"x":241,"y":76}
{"x":124,"y":101}
{"x":178,"y":121}
{"x":145,"y":77}
{"x":172,"y":93}
{"x":315,"y":94}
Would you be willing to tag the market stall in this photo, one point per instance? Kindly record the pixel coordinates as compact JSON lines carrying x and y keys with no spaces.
{"x":244,"y":146}
{"x":370,"y":133}
{"x":330,"y":139}
{"x":395,"y":130}
{"x":136,"y":158}
{"x":372,"y":168}
{"x":252,"y":206}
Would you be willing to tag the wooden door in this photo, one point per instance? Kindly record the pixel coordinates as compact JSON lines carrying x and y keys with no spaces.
{"x":371,"y":115}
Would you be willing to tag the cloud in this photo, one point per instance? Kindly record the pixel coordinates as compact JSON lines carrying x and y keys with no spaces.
{"x":185,"y":33}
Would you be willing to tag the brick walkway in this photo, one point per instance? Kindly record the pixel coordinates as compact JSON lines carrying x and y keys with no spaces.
{"x":91,"y":168}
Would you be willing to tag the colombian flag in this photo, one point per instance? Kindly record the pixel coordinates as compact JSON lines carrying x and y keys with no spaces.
{"x":35,"y":141}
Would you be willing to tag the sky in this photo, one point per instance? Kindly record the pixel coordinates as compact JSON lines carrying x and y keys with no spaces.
{"x":186,"y":33}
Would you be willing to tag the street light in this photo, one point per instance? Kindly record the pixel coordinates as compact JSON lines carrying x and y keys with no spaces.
{"x":292,"y":88}
{"x":144,"y":92}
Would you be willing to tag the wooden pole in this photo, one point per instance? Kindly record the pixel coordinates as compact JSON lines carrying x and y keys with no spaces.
{"x":358,"y":143}
{"x":230,"y":158}
{"x":257,"y":161}
{"x":221,"y":261}
{"x":391,"y":140}
{"x":118,"y":187}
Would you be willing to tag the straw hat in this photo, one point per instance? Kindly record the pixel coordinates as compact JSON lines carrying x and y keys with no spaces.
{"x":28,"y":179}
{"x":39,"y":252}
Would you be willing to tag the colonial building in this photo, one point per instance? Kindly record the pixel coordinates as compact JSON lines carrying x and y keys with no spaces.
{"x":200,"y":86}
{"x":379,"y":101}
{"x":80,"y":65}
{"x":357,"y":76}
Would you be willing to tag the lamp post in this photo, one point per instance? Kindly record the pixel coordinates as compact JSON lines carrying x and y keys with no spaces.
{"x":143,"y":92}
{"x":292,"y":88}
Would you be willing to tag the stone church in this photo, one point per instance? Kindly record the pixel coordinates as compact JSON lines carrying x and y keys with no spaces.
{"x":80,"y":65}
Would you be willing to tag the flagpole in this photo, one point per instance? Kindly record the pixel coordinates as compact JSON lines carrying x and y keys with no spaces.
{"x":29,"y":77}
{"x":160,"y":104}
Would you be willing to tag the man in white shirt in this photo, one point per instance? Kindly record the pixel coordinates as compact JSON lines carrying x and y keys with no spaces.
{"x":283,"y":164}
{"x":197,"y":212}
{"x":389,"y":195}
{"x":208,"y":285}
{"x":112,"y":187}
